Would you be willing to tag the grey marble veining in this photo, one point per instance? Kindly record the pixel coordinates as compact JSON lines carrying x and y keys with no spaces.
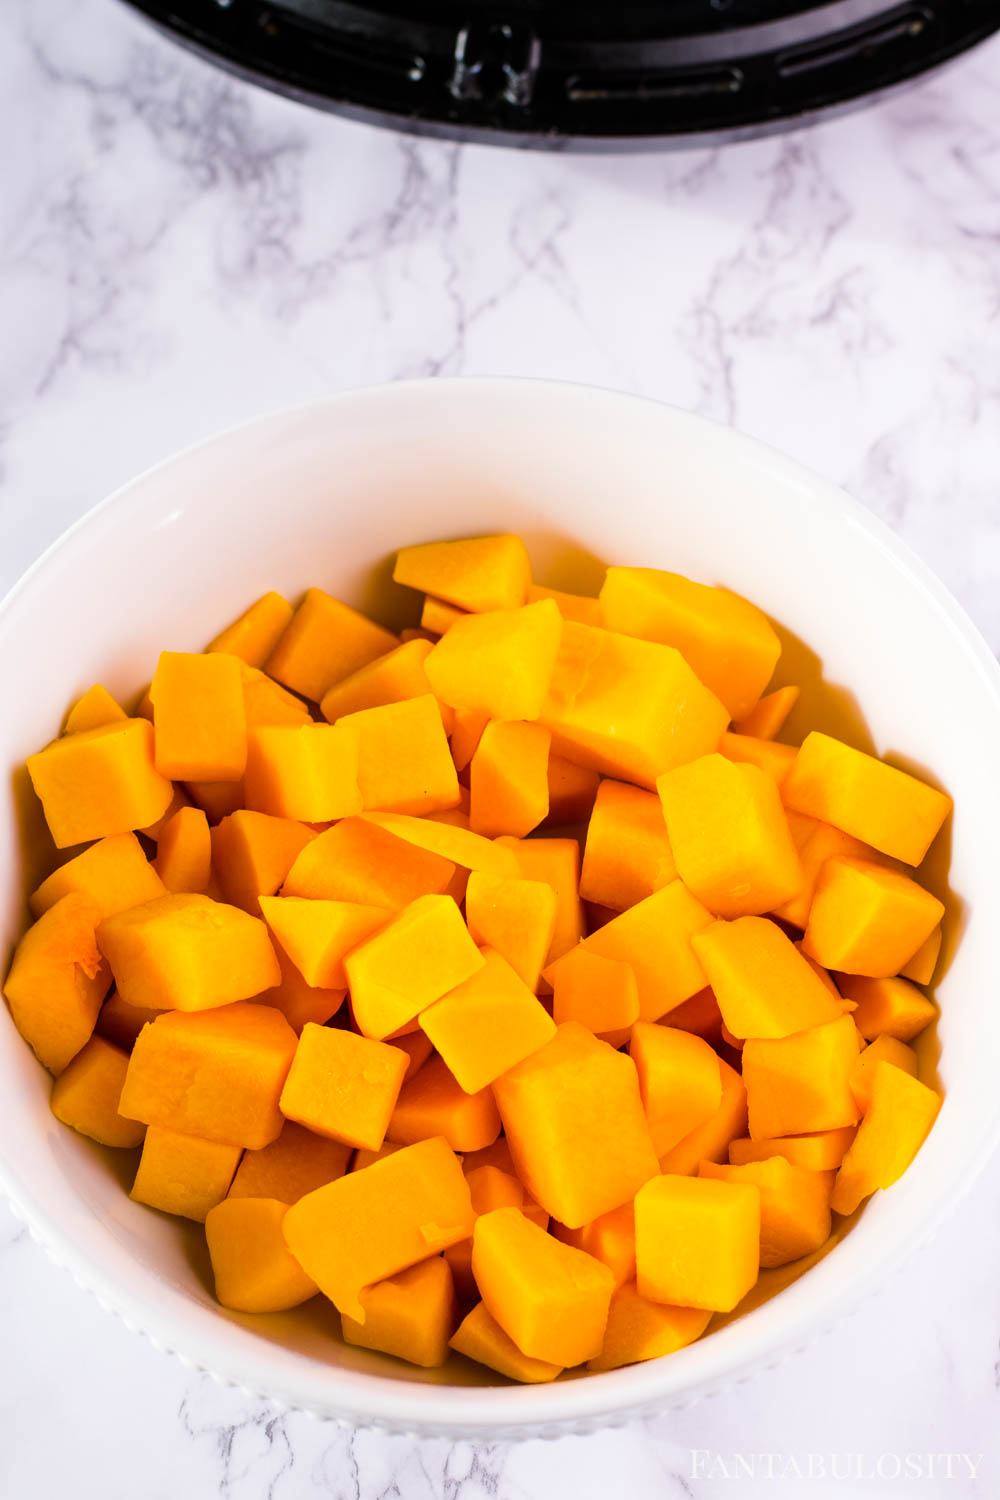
{"x":179,"y":252}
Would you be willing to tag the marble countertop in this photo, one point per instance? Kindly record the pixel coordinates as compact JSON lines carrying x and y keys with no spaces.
{"x":179,"y":252}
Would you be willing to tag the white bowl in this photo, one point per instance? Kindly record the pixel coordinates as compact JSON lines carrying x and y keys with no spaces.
{"x":322,"y":494}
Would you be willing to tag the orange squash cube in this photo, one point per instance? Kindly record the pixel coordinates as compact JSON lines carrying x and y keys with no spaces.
{"x":343,"y":1086}
{"x":308,"y":772}
{"x":411,"y":1315}
{"x":421,"y":954}
{"x":392,"y":678}
{"x":100,"y":782}
{"x":95,"y":708}
{"x":267,"y":702}
{"x":57,"y":980}
{"x":437,"y":617}
{"x":182,"y":1174}
{"x":120,"y":1023}
{"x":766,"y":719}
{"x":372,"y":1224}
{"x":184,"y":852}
{"x":358,"y":860}
{"x":295,"y":1163}
{"x":710,"y":1141}
{"x":420,"y":780}
{"x":199,"y":717}
{"x":697,"y":1242}
{"x":816,"y":1151}
{"x":883,"y":1049}
{"x":298,"y":1001}
{"x":764,"y":986}
{"x":252,"y":853}
{"x":729,"y":835}
{"x":435,"y":1104}
{"x":480,"y":1337}
{"x":324,"y":642}
{"x":216,"y":799}
{"x":922,"y":965}
{"x":627,"y":855}
{"x":86,"y":1093}
{"x":600,"y":993}
{"x":610,"y":1238}
{"x":318,"y":935}
{"x":487,"y":1024}
{"x":888,"y":1007}
{"x":767,"y":755}
{"x":516,"y":917}
{"x":114,"y":872}
{"x":253,"y":636}
{"x":476,"y":573}
{"x":794,"y":1205}
{"x":900,"y":1113}
{"x":499,"y":664}
{"x":816,"y":843}
{"x":460,"y":846}
{"x":490,"y":1188}
{"x":254,"y":1270}
{"x":679,"y":1082}
{"x":801,"y":1083}
{"x":654,"y":939}
{"x":868,"y":920}
{"x":639,"y":1329}
{"x":571,"y":606}
{"x":509,"y":780}
{"x":555,"y":862}
{"x":417,"y":1048}
{"x":884,"y":807}
{"x":466,"y":732}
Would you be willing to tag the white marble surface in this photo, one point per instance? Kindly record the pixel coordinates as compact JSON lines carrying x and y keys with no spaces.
{"x":178,"y":252}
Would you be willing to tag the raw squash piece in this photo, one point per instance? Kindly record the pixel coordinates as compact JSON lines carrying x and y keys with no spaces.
{"x":318,"y":935}
{"x":888,"y":1007}
{"x":491,"y":1188}
{"x":364,"y":1158}
{"x":777,"y":760}
{"x":868,"y":920}
{"x":766,"y":719}
{"x":600,"y":993}
{"x":710,"y":1141}
{"x":404,"y":763}
{"x":184,"y":952}
{"x":308,"y":772}
{"x":679,"y":1082}
{"x":477,"y":573}
{"x":550,"y":1298}
{"x":217,"y":1074}
{"x":252,"y":853}
{"x":372,"y":1224}
{"x":468,"y":850}
{"x":183,"y":1174}
{"x":486,"y":1025}
{"x":216,"y":799}
{"x":572,"y":790}
{"x":701,"y":1015}
{"x":886,"y":1049}
{"x":57,"y":980}
{"x":421,"y":954}
{"x":509,"y":780}
{"x":253,"y":636}
{"x":178,"y":800}
{"x":627,"y":708}
{"x":574,"y":1122}
{"x":892,"y":811}
{"x":343,"y":1086}
{"x":818,"y":1151}
{"x":100,"y":782}
{"x":801,"y":1083}
{"x":922,"y":965}
{"x":764,"y":986}
{"x":654,"y":938}
{"x":556,"y":862}
{"x":437,"y":617}
{"x":359,"y":860}
{"x":324,"y":642}
{"x":900,"y":1113}
{"x":114,"y":872}
{"x":729,"y":836}
{"x":480,"y":1337}
{"x":412,"y":1315}
{"x":95,"y":708}
{"x":392,"y":678}
{"x":120,"y":1023}
{"x":417,"y":1048}
{"x":571,"y":606}
{"x":794,"y":1205}
{"x":610,"y":1238}
{"x":298,"y":1001}
{"x":184,"y":852}
{"x":627,"y":855}
{"x":466,"y":732}
{"x":294,"y":1164}
{"x":434,"y":1104}
{"x":697,"y":1242}
{"x":254,"y":1270}
{"x":816,"y":843}
{"x":199,"y":717}
{"x":267,"y":702}
{"x":639,"y":1329}
{"x":725,"y":639}
{"x":498,"y":664}
{"x":86,"y":1093}
{"x":516,"y":917}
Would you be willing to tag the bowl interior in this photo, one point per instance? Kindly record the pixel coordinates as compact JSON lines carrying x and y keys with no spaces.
{"x":323,"y":496}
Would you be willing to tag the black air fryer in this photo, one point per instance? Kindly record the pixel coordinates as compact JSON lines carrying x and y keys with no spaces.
{"x":583,"y":75}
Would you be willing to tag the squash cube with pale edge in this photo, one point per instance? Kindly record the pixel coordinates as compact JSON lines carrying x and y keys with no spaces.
{"x":255,"y":633}
{"x":868,"y":920}
{"x":95,"y":708}
{"x":639,"y":1329}
{"x":654,"y":939}
{"x":318,"y":935}
{"x":727,"y":641}
{"x":217,"y":1074}
{"x":516,"y":917}
{"x":900,"y":1113}
{"x":411,"y":1315}
{"x":418,"y":779}
{"x":57,"y":980}
{"x":433,"y":1103}
{"x":610,"y":1238}
{"x":509,"y":780}
{"x":343,"y":1086}
{"x":183,"y":1174}
{"x":794,"y":1205}
{"x":252,"y":853}
{"x":85,"y":1095}
{"x":199,"y":717}
{"x":550,"y":1298}
{"x":254,"y":1270}
{"x":480,"y":1337}
{"x":574,"y":1122}
{"x":499,"y":664}
{"x":100,"y":782}
{"x":710,"y":1141}
{"x":487,"y":1024}
{"x":697,"y":1242}
{"x":601,"y":993}
{"x":627,"y":855}
{"x":420,"y":955}
{"x":476,"y":573}
{"x":729,"y":836}
{"x":887,"y":808}
{"x":802,"y":1083}
{"x":358,"y":860}
{"x":679,"y":1081}
{"x":883,"y":1049}
{"x":627,"y":708}
{"x":324,"y":642}
{"x":888,"y":1007}
{"x":294,"y":1164}
{"x":308,"y":772}
{"x":764,"y":986}
{"x":371,"y":1224}
{"x":184,"y":952}
{"x":817,"y":1151}
{"x":184,"y":852}
{"x":114,"y":872}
